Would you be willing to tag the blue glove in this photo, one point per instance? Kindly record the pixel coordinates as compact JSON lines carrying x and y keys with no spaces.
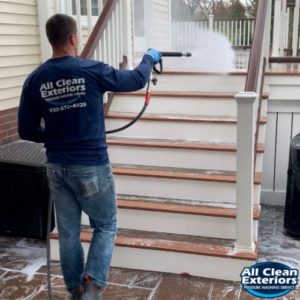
{"x":155,"y":55}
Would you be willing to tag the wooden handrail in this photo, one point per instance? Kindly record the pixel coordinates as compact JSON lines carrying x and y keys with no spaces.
{"x":284,"y":59}
{"x":260,"y":99}
{"x":99,"y":28}
{"x":238,"y":19}
{"x":257,"y":47}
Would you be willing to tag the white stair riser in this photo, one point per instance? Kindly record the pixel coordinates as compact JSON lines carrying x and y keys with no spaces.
{"x":217,"y":192}
{"x":196,"y":225}
{"x":178,"y":105}
{"x":175,"y":105}
{"x":171,"y":262}
{"x":177,"y":158}
{"x":177,"y":130}
{"x":178,"y":263}
{"x":200,"y":83}
{"x":282,"y":79}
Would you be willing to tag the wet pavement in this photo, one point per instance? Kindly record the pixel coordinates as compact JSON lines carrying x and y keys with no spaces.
{"x":23,"y":272}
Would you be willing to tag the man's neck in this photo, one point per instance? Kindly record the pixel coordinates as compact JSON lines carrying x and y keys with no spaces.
{"x":61,"y":52}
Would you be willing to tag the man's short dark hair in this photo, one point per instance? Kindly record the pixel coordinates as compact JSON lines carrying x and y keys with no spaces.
{"x":58,"y":29}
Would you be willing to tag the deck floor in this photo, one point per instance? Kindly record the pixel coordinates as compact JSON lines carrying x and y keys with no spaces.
{"x":23,"y":271}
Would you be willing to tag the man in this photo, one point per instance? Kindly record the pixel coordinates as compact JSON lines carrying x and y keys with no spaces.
{"x":66,"y":92}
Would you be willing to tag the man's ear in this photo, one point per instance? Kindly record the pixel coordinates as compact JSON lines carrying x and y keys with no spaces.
{"x":72,"y":39}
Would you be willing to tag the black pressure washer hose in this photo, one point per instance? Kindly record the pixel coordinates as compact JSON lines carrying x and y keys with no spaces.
{"x":148,"y":90}
{"x":147,"y":100}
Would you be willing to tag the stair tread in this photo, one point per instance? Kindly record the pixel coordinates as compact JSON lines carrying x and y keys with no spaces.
{"x":294,"y":73}
{"x":179,"y":118}
{"x":195,"y":72}
{"x":179,"y":173}
{"x":188,"y":94}
{"x":177,"y":144}
{"x":140,"y":203}
{"x":172,"y":242}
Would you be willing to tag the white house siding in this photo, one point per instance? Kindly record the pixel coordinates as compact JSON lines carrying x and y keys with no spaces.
{"x":283,"y":125}
{"x":19,"y":47}
{"x":161,"y":24}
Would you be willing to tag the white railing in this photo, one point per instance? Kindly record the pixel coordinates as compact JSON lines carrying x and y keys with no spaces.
{"x":116,"y":41}
{"x":286,"y":24}
{"x":238,"y":32}
{"x":187,"y":35}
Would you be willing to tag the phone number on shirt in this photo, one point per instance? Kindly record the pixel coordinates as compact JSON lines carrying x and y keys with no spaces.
{"x":67,"y":107}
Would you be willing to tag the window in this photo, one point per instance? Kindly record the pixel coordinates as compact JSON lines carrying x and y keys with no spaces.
{"x":83,"y":4}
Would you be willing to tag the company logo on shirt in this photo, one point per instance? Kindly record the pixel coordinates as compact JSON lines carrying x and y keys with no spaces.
{"x":67,"y":89}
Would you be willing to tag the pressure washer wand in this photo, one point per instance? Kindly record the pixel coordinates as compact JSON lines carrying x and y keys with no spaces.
{"x":152,"y":80}
{"x":175,"y":54}
{"x":169,"y":54}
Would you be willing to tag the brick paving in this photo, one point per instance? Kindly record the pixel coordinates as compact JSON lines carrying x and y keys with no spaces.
{"x":23,"y":271}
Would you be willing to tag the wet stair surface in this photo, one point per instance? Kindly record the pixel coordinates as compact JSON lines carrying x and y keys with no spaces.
{"x":175,"y":178}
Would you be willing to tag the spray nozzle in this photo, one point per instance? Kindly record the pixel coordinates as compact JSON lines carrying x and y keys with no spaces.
{"x":175,"y":54}
{"x":169,"y":54}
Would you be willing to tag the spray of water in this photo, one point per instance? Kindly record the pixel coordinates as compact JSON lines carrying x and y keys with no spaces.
{"x":211,"y":52}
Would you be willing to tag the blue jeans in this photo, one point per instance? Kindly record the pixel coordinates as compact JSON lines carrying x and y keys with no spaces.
{"x":90,"y":189}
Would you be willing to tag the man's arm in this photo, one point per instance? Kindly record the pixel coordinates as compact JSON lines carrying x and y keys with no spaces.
{"x":29,"y":120}
{"x":126,"y":80}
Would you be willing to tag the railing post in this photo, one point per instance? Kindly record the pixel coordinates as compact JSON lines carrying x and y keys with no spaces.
{"x":211,"y":22}
{"x":245,"y":170}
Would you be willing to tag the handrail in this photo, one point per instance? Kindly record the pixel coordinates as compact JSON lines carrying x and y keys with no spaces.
{"x":284,"y":59}
{"x":257,"y":47}
{"x":257,"y":65}
{"x":99,"y":28}
{"x":260,"y":99}
{"x":238,"y":19}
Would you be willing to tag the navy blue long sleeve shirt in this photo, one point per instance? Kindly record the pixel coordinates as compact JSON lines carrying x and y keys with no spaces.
{"x":67,"y":93}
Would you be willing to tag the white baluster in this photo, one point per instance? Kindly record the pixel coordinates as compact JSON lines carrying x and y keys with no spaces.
{"x":114,"y":49}
{"x":119,"y":35}
{"x":108,"y":43}
{"x":104,"y":46}
{"x":68,"y":7}
{"x":232,"y":31}
{"x":211,"y":22}
{"x":101,"y":50}
{"x":89,"y":16}
{"x":89,"y":21}
{"x":295,"y":28}
{"x":284,"y":28}
{"x":127,"y":31}
{"x":235,"y":32}
{"x":78,"y":19}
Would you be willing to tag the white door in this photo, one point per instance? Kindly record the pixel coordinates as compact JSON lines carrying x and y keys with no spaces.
{"x":152,"y":23}
{"x":139,"y":14}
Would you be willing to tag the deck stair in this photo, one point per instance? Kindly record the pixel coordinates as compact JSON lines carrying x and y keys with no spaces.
{"x":175,"y":177}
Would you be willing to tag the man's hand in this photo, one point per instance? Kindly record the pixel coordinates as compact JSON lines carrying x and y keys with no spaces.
{"x":156,"y":55}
